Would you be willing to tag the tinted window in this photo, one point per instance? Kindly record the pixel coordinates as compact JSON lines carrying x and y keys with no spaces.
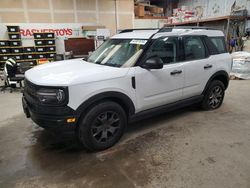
{"x":219,"y":43}
{"x":194,"y":48}
{"x":165,"y":48}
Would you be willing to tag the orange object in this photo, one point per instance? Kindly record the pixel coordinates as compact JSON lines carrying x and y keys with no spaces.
{"x":42,"y":61}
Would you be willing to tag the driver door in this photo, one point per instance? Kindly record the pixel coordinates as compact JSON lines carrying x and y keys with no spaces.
{"x":157,"y":87}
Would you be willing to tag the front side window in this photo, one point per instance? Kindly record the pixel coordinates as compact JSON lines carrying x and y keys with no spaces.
{"x":194,"y":48}
{"x":164,"y":48}
{"x":118,"y":52}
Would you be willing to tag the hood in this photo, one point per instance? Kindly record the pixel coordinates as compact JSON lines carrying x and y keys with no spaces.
{"x":72,"y":72}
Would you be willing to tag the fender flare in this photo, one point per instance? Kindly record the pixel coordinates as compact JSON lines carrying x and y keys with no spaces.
{"x":121,"y":98}
{"x":221,"y":73}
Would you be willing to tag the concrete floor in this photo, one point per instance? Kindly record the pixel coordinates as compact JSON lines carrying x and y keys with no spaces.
{"x":187,"y":148}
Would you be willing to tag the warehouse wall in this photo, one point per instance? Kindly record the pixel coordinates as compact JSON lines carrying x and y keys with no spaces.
{"x":99,"y":12}
{"x":215,"y":8}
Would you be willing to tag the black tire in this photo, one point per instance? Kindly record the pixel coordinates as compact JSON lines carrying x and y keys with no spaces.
{"x":214,"y":96}
{"x":102,"y":126}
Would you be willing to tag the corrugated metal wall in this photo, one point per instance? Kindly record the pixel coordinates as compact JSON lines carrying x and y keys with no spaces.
{"x":215,"y":8}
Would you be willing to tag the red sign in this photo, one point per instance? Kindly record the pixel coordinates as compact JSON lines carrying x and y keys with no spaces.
{"x":58,"y":32}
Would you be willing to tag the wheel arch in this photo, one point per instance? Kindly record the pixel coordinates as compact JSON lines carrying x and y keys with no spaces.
{"x":221,"y":76}
{"x":118,"y":97}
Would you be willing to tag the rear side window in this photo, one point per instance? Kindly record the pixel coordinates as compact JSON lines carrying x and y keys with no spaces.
{"x":194,"y":48}
{"x":219,"y":43}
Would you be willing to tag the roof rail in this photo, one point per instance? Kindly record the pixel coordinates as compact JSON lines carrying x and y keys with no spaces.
{"x":165,"y":29}
{"x":141,"y":29}
{"x":194,"y":27}
{"x":169,"y":29}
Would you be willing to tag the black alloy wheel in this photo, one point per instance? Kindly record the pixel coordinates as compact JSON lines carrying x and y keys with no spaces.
{"x":102,"y":126}
{"x":105,"y":126}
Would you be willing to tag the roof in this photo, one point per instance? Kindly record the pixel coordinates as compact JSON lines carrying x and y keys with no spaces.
{"x":156,"y":33}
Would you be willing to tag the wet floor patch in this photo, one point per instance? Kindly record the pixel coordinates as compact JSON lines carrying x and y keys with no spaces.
{"x":32,"y":157}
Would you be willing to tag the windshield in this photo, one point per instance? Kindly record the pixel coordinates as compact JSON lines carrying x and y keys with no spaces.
{"x":118,"y":52}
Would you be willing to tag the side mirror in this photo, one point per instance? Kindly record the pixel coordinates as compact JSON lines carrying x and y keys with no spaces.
{"x":153,"y":63}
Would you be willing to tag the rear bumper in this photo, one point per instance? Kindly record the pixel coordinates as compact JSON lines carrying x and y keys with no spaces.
{"x":50,"y":118}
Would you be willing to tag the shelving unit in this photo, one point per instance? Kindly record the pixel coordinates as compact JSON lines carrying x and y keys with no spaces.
{"x":13,"y":48}
{"x":4,"y":52}
{"x":15,"y":43}
{"x":27,"y":56}
{"x":147,"y":11}
{"x":45,"y":45}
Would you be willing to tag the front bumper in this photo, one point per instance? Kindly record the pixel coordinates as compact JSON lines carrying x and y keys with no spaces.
{"x":50,"y":117}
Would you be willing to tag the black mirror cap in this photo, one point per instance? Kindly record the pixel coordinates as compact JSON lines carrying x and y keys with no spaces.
{"x":153,"y":63}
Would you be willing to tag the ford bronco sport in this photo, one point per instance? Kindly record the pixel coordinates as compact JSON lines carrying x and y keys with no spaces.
{"x":134,"y":74}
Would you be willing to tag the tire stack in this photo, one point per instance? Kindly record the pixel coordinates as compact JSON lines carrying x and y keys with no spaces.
{"x":45,"y":45}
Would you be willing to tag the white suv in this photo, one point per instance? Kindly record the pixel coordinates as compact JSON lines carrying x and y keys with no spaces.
{"x":136,"y":73}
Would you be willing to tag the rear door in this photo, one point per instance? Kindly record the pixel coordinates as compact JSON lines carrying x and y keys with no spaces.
{"x":198,"y":65}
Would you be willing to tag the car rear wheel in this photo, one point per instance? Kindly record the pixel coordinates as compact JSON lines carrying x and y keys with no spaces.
{"x":102,"y":126}
{"x":214,"y":96}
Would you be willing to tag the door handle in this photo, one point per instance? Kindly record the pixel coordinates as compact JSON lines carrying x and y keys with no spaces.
{"x":207,"y":66}
{"x":176,"y":72}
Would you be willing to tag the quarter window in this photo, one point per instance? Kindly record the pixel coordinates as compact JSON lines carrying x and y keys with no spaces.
{"x":219,"y":43}
{"x":194,"y":48}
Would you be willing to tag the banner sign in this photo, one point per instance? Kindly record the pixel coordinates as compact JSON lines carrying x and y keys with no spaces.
{"x":65,"y":32}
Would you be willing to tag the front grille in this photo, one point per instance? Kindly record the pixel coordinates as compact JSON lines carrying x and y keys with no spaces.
{"x":30,"y":90}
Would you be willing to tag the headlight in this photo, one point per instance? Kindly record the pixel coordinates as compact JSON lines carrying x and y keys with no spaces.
{"x":51,"y":96}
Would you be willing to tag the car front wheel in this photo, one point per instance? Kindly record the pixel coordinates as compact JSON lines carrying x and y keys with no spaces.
{"x":102,"y":126}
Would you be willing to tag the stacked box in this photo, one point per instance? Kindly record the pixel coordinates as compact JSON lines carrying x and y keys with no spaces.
{"x":16,"y":50}
{"x":38,"y":35}
{"x":183,"y":14}
{"x":29,"y":56}
{"x":45,"y":45}
{"x":13,"y":29}
{"x":49,"y":35}
{"x":4,"y":43}
{"x":4,"y":58}
{"x":41,"y":56}
{"x":14,"y":36}
{"x":51,"y":55}
{"x":17,"y":57}
{"x":41,"y":49}
{"x":39,"y":42}
{"x":29,"y":49}
{"x":4,"y":51}
{"x":51,"y":49}
{"x":15,"y":43}
{"x":50,"y":42}
{"x":12,"y":48}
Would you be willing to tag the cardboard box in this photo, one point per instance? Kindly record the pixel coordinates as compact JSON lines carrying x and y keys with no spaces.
{"x":156,"y":10}
{"x":139,"y":10}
